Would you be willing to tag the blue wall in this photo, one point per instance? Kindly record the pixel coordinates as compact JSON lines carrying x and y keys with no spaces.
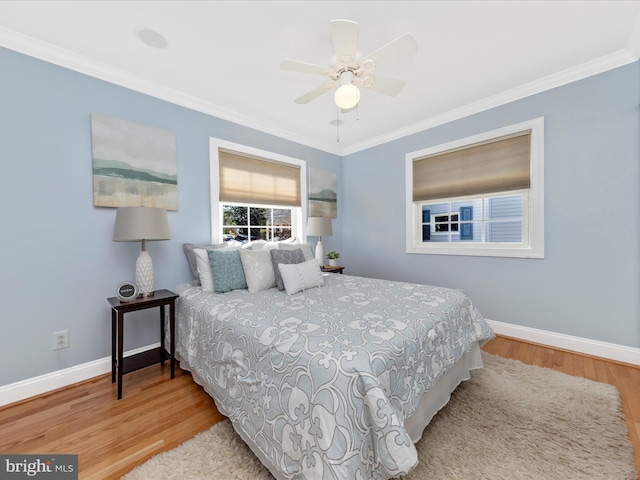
{"x":588,"y":283}
{"x":58,"y":261}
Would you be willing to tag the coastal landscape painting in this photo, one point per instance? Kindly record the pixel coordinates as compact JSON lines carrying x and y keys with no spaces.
{"x":323,"y":193}
{"x":134,"y":165}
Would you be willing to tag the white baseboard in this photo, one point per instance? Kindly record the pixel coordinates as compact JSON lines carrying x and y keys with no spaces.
{"x":595,"y":348}
{"x":31,"y":387}
{"x":14,"y":392}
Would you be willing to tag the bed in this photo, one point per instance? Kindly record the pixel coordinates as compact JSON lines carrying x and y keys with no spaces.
{"x":336,"y":381}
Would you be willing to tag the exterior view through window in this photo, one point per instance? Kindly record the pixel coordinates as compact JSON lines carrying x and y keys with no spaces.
{"x":245,"y":223}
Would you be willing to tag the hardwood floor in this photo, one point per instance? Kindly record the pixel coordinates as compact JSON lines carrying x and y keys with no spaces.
{"x":157,"y":414}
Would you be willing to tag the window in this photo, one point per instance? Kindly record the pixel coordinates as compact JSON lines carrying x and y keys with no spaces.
{"x":482,"y":195}
{"x":255,"y":195}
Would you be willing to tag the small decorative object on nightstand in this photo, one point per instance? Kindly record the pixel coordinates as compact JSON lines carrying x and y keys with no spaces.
{"x":160,"y":298}
{"x":333,"y":257}
{"x":332,"y":269}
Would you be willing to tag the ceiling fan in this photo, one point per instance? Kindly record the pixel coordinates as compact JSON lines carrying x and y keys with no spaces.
{"x":351,"y":71}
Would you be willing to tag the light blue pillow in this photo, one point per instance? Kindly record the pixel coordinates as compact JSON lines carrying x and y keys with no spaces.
{"x":226,"y":267}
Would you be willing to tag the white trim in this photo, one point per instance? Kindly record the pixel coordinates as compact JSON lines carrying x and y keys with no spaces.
{"x":595,"y":348}
{"x":579,"y":72}
{"x":14,"y":392}
{"x":49,"y":53}
{"x":533,"y":216}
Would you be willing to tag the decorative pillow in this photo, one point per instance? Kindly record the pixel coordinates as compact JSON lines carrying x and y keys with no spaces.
{"x":258,"y":269}
{"x":301,"y":276}
{"x":226,"y":267}
{"x":191,"y":256}
{"x":287,"y":257}
{"x":305,"y":247}
{"x":204,"y":269}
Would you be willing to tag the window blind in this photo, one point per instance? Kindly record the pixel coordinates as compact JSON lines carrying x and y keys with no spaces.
{"x":247,"y":179}
{"x":497,"y":166}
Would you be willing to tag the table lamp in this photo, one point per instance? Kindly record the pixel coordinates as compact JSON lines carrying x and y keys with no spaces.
{"x":319,"y":227}
{"x":139,"y":224}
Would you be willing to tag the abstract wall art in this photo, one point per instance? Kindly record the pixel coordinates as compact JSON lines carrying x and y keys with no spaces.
{"x":133,"y":165}
{"x":323,"y":193}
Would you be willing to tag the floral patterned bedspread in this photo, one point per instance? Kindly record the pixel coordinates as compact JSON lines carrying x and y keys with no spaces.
{"x":322,"y":381}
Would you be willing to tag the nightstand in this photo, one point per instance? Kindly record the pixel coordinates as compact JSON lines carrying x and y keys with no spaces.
{"x":160,"y":298}
{"x":332,"y":269}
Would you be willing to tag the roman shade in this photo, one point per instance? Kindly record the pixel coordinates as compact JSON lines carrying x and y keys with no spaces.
{"x":497,"y":166}
{"x":248,"y":179}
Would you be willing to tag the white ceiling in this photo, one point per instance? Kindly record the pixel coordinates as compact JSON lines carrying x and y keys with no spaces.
{"x":222,"y":57}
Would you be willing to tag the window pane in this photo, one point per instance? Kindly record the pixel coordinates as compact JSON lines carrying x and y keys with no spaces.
{"x":229,"y":234}
{"x":281,"y":233}
{"x":259,"y":216}
{"x":504,"y":232}
{"x":259,"y":234}
{"x":234,"y":215}
{"x":242,"y":234}
{"x":470,"y":232}
{"x":281,"y":216}
{"x":504,"y":207}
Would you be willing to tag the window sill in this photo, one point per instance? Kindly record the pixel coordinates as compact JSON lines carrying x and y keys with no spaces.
{"x":515,"y":251}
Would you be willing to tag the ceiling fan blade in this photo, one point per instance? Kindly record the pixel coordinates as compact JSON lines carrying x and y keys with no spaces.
{"x":344,"y":35}
{"x":302,"y":67}
{"x":398,"y":52}
{"x":315,"y":93}
{"x":387,"y":86}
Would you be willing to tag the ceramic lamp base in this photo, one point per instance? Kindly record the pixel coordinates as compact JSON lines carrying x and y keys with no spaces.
{"x":320,"y":253}
{"x":144,"y":273}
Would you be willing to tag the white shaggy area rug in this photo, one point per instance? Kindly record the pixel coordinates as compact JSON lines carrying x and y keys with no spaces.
{"x":510,"y":421}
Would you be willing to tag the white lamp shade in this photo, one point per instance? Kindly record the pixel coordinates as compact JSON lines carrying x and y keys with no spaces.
{"x":319,"y":227}
{"x":134,"y":224}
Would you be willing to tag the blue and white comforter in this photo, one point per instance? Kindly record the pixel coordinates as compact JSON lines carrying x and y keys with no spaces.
{"x":322,"y":381}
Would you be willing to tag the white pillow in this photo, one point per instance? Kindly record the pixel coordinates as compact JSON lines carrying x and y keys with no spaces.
{"x":305,"y":247}
{"x":262,"y":245}
{"x":301,"y":276}
{"x":258,"y":269}
{"x":204,"y":269}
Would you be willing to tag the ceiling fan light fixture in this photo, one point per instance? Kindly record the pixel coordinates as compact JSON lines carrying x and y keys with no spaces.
{"x":347,"y":96}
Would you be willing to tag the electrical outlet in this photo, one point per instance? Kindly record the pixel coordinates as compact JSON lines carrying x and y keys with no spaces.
{"x":60,"y":339}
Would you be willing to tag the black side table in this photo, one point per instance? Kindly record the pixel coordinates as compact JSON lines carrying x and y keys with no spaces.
{"x":160,"y":298}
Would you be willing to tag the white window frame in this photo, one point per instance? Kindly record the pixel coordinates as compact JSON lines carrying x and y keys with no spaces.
{"x":298,"y":225}
{"x":532,"y":207}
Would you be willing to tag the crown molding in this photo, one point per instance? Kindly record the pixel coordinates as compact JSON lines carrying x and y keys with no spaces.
{"x":52,"y":54}
{"x":49,"y":53}
{"x":579,"y":72}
